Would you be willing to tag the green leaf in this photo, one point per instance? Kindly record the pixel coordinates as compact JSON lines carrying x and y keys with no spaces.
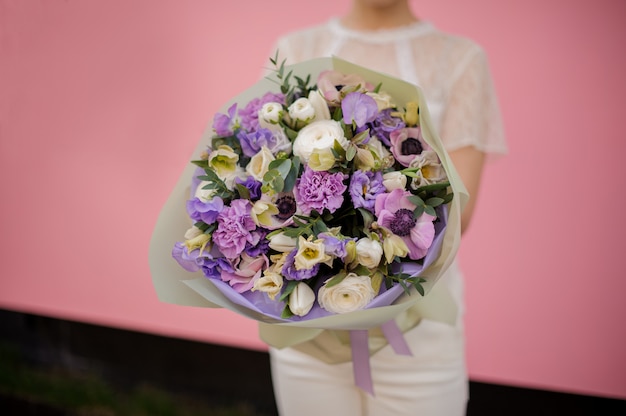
{"x":430,"y":210}
{"x":290,"y":287}
{"x":434,"y":202}
{"x":416,"y":200}
{"x":351,"y":152}
{"x":244,"y":193}
{"x":433,"y":187}
{"x":336,"y":279}
{"x":286,"y":313}
{"x":368,"y":217}
{"x":418,"y":211}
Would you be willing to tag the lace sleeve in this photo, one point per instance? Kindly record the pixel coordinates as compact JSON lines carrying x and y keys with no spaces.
{"x":472,"y":116}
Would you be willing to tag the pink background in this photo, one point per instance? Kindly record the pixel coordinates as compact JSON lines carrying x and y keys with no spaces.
{"x":102,"y":103}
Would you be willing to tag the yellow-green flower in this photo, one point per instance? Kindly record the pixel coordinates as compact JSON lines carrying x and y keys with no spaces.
{"x":321,"y":159}
{"x":310,"y":253}
{"x":199,"y":241}
{"x":224,"y":161}
{"x":262,"y":212}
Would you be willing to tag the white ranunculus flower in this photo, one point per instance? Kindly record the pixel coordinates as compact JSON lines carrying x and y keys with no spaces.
{"x":280,"y":242}
{"x":318,"y":135}
{"x":354,"y":292}
{"x":320,"y":105}
{"x":259,"y":163}
{"x":302,"y":110}
{"x":271,"y":112}
{"x":301,"y":300}
{"x":394,"y":180}
{"x":369,"y":252}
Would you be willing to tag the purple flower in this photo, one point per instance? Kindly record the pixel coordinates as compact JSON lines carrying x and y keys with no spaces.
{"x":234,"y":229}
{"x":253,"y":186}
{"x":186,"y":259}
{"x":252,"y":142}
{"x":222,"y":123}
{"x":334,"y":245}
{"x":290,"y":272}
{"x":213,"y":267}
{"x":384,"y":124}
{"x":319,"y":190}
{"x":395,"y":212}
{"x":359,"y":109}
{"x":262,"y":245}
{"x":364,"y":187}
{"x":207,"y":212}
{"x":250,"y":113}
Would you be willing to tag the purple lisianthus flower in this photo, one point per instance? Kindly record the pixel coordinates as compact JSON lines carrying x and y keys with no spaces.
{"x":319,"y":190}
{"x":253,"y":186}
{"x":250,"y":113}
{"x":234,"y":229}
{"x":395,"y":212}
{"x":207,"y":211}
{"x":262,"y":245}
{"x":252,"y":142}
{"x":335,"y":246}
{"x":359,"y":109}
{"x":223,"y":123}
{"x":406,"y":144}
{"x":290,"y":272}
{"x":384,"y":124}
{"x":213,"y":267}
{"x":364,"y":187}
{"x":185,"y":258}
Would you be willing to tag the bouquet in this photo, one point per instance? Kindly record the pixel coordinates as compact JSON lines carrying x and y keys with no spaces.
{"x":320,"y":198}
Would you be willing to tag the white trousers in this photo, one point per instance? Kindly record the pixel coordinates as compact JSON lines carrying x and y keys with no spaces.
{"x":431,"y":382}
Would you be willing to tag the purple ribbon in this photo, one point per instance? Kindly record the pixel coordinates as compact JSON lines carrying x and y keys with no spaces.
{"x":361,"y":352}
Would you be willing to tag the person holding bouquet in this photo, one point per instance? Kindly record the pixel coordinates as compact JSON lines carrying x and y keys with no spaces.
{"x":453,"y":72}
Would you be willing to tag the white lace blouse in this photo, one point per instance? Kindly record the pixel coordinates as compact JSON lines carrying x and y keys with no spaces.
{"x":452,"y":71}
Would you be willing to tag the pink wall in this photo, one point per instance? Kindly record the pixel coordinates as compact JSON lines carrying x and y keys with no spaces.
{"x":102,"y":102}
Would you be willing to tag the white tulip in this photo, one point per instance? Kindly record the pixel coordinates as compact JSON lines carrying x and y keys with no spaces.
{"x":301,"y":300}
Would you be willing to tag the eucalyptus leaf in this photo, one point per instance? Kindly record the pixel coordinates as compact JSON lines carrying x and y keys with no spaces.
{"x":434,"y":202}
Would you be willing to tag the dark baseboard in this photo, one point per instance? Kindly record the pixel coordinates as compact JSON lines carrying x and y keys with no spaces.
{"x":211,"y":374}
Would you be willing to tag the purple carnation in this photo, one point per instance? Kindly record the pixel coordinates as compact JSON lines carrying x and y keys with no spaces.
{"x":250,"y":113}
{"x":364,"y":187}
{"x":253,"y":186}
{"x":319,"y":190}
{"x":358,"y":108}
{"x":207,"y":212}
{"x":384,"y":124}
{"x":234,"y":229}
{"x":291,"y":273}
{"x":223,"y":123}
